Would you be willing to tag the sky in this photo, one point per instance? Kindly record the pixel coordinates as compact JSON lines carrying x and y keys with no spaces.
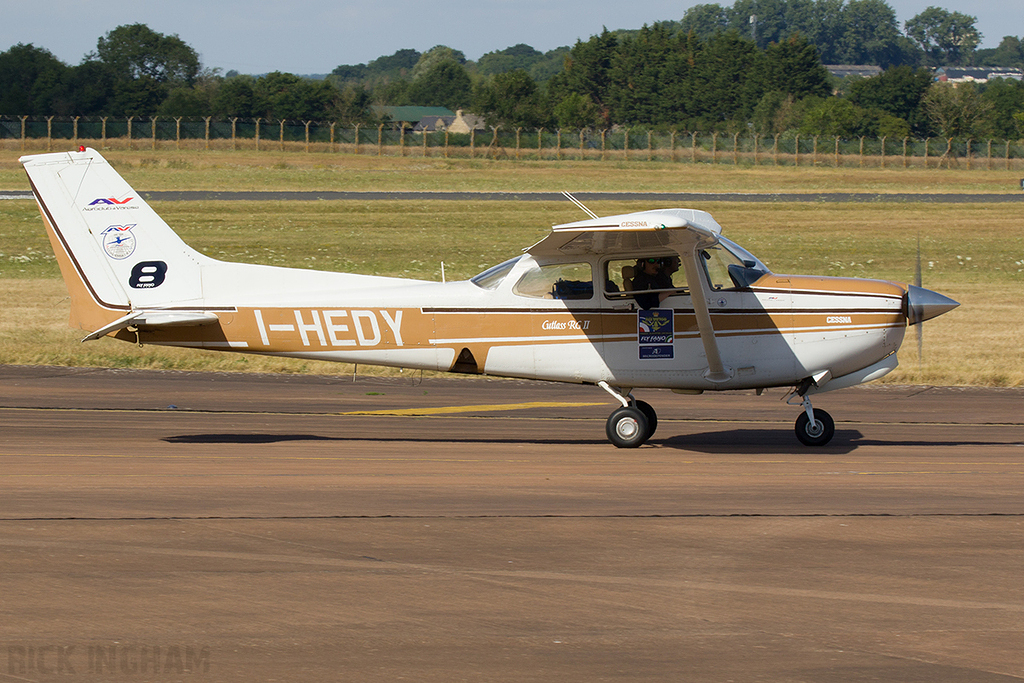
{"x":259,"y":36}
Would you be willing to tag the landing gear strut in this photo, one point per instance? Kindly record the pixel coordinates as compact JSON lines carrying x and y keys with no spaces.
{"x":631,"y":425}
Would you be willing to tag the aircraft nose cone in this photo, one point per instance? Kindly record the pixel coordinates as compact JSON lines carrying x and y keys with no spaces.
{"x":924,"y":304}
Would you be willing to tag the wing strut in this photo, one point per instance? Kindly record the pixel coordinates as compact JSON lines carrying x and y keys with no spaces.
{"x":717,"y":370}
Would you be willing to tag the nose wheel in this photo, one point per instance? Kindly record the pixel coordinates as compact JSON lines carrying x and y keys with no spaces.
{"x":814,"y":427}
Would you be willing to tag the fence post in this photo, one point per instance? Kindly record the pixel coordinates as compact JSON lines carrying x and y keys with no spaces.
{"x":23,"y":132}
{"x":401,"y":140}
{"x":153,"y":123}
{"x":581,"y":143}
{"x":862,"y":151}
{"x":307,"y":135}
{"x":625,"y":145}
{"x":814,"y":152}
{"x":74,"y":133}
{"x":103,"y":133}
{"x":837,"y":151}
{"x":775,"y":150}
{"x":926,"y":140}
{"x":380,"y":140}
{"x":905,"y":152}
{"x":1007,"y":155}
{"x":693,"y":147}
{"x":49,"y":131}
{"x":519,"y":132}
{"x":446,"y":132}
{"x":177,"y":132}
{"x":883,"y":150}
{"x":280,"y":135}
{"x":604,"y":144}
{"x":755,"y":149}
{"x":234,"y":130}
{"x":206,"y":132}
{"x":558,"y":145}
{"x":989,"y":164}
{"x":333,"y":124}
{"x":714,"y":147}
{"x":672,"y":145}
{"x":735,"y":149}
{"x":796,"y":151}
{"x":494,"y":142}
{"x":649,"y":148}
{"x":969,"y":153}
{"x":472,"y":143}
{"x":257,"y":138}
{"x":357,"y":139}
{"x":540,"y":143}
{"x":130,"y":132}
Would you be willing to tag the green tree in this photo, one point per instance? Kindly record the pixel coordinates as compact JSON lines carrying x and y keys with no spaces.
{"x":444,"y":84}
{"x":135,"y":51}
{"x":287,"y":96}
{"x":793,"y":67}
{"x":577,"y":112}
{"x":236,"y":96}
{"x":30,"y":79}
{"x":897,"y":91}
{"x":510,"y":59}
{"x":870,"y":34}
{"x":946,"y":38}
{"x":587,"y":72}
{"x":957,"y":113}
{"x":511,"y":100}
{"x":705,"y":20}
{"x":1010,"y":52}
{"x":434,"y":56}
{"x":727,"y":79}
{"x":1005,"y":98}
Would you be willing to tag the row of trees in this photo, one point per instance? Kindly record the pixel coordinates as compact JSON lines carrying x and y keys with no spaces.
{"x":662,"y":76}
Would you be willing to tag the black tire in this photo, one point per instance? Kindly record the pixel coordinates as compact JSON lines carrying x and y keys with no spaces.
{"x":627,"y":428}
{"x":652,"y":417}
{"x":818,"y":434}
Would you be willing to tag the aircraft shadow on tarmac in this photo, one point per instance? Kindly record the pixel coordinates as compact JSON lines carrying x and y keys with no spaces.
{"x":732,"y":440}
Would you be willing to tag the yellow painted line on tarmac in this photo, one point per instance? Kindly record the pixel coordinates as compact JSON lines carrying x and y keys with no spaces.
{"x":487,"y":408}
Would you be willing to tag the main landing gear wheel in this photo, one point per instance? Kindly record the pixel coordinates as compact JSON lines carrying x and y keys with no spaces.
{"x":817,"y":434}
{"x":628,"y":427}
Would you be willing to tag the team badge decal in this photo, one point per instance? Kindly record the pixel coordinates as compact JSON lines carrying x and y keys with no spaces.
{"x":118,"y":241}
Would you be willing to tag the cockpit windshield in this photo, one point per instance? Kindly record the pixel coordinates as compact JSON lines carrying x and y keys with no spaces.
{"x":492,"y":277}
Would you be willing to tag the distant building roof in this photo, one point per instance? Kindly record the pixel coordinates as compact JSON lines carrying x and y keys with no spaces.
{"x":411,"y":115}
{"x":977,"y":74}
{"x":844,"y":70}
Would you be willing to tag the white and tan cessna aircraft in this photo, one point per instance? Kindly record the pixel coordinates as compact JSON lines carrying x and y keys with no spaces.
{"x":600,"y":301}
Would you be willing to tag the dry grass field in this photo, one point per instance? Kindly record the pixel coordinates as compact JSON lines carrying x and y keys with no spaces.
{"x":971,"y":252}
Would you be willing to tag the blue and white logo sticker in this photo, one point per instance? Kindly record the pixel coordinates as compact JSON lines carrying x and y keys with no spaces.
{"x":119,"y":241}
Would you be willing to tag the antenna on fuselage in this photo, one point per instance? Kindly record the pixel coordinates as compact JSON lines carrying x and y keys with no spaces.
{"x":580,"y":204}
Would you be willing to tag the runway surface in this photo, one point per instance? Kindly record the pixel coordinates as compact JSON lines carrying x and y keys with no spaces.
{"x":188,"y":526}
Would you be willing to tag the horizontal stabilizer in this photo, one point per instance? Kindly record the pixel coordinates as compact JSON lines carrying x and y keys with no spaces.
{"x":155,"y":318}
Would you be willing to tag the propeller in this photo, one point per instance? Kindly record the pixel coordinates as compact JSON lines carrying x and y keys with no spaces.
{"x":924,"y":304}
{"x":917,"y":283}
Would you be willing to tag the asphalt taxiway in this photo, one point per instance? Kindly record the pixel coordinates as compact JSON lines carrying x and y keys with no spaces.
{"x":161,"y":525}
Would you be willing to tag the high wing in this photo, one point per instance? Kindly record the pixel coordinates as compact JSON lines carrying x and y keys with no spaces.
{"x":686,"y":231}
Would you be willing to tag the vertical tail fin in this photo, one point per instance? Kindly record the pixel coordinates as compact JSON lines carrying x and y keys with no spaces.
{"x":115,"y":253}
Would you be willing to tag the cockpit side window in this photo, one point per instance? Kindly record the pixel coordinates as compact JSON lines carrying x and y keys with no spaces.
{"x":658,"y":273}
{"x":557,"y":281}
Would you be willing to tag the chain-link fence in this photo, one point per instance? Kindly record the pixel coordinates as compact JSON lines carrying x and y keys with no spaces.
{"x":25,"y":133}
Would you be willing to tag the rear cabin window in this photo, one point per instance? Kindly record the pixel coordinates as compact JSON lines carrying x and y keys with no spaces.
{"x":557,"y":281}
